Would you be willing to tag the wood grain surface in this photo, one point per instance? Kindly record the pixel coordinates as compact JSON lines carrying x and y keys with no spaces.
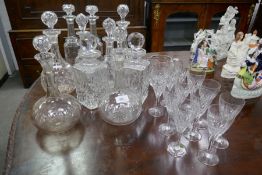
{"x":94,"y":147}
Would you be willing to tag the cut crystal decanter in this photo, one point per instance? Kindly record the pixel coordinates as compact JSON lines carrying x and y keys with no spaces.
{"x":62,"y":70}
{"x":90,"y":72}
{"x":137,"y":68}
{"x":122,"y":11}
{"x":71,"y":45}
{"x":54,"y":112}
{"x":121,"y":106}
{"x":92,"y":10}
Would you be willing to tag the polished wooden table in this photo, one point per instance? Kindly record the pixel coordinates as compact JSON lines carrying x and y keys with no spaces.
{"x":94,"y":147}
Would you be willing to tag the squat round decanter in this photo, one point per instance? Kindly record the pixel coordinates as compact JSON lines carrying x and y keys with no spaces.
{"x":54,"y":112}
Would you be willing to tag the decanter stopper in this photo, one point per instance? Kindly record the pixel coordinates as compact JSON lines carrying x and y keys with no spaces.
{"x":92,"y":10}
{"x":49,"y":18}
{"x":136,"y":41}
{"x":41,"y":43}
{"x":109,"y":25}
{"x":69,"y":9}
{"x":122,"y":11}
{"x":81,"y":21}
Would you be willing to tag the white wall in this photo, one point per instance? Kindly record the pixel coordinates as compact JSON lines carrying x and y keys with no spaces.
{"x":5,"y":43}
{"x":3,"y":69}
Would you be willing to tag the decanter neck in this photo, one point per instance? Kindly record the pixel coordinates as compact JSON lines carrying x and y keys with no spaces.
{"x":92,"y":23}
{"x":51,"y":87}
{"x":55,"y":50}
{"x":70,"y":25}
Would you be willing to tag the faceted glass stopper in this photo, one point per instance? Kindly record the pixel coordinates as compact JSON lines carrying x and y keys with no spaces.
{"x":109,"y":25}
{"x":91,"y":9}
{"x":81,"y":21}
{"x":41,"y":43}
{"x":49,"y":19}
{"x":122,"y":11}
{"x":120,"y":34}
{"x":68,"y":8}
{"x":90,"y":40}
{"x":136,"y":40}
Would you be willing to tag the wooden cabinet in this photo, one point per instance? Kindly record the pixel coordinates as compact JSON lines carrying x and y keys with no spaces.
{"x":25,"y":21}
{"x":204,"y":12}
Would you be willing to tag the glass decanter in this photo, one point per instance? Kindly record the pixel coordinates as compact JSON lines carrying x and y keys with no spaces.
{"x":71,"y":45}
{"x":137,"y":68}
{"x":122,"y":11}
{"x":54,"y":112}
{"x":121,"y":106}
{"x":92,"y":10}
{"x":63,"y":71}
{"x":109,"y":25}
{"x":90,"y":72}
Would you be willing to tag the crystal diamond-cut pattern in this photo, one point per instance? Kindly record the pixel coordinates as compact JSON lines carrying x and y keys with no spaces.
{"x":49,"y":19}
{"x":92,"y":78}
{"x":68,"y":8}
{"x":81,"y":21}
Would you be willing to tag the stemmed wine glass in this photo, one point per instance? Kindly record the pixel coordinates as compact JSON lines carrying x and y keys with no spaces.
{"x":171,"y":95}
{"x":181,"y":117}
{"x":196,"y":79}
{"x":159,"y":73}
{"x":216,"y":123}
{"x":230,"y":107}
{"x":204,"y":97}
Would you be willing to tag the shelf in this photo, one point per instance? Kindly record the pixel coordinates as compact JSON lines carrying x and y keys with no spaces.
{"x":170,"y":20}
{"x":184,"y":42}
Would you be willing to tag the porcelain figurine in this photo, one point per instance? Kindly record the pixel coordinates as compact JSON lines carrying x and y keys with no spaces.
{"x":236,"y":55}
{"x":202,"y":54}
{"x":248,"y":83}
{"x":224,"y":36}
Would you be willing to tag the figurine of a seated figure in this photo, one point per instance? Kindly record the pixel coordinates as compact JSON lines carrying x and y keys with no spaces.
{"x":248,"y":83}
{"x":235,"y":57}
{"x":203,"y":58}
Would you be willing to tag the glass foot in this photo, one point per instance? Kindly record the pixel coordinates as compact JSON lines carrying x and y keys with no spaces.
{"x":201,"y":124}
{"x":221,"y":143}
{"x":166,"y":129}
{"x":156,"y":111}
{"x":208,"y":158}
{"x":176,"y":149}
{"x":193,"y":136}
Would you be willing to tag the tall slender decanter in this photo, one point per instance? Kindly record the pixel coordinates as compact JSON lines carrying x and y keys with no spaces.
{"x":90,"y":72}
{"x":63,"y":71}
{"x":92,"y":10}
{"x":122,"y":11}
{"x":71,"y":45}
{"x":54,"y":112}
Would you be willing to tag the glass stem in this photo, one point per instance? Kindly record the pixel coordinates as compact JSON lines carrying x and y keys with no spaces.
{"x":158,"y":100}
{"x":211,"y":148}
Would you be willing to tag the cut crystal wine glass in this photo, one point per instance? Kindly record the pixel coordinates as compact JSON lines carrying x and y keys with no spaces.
{"x":158,"y":77}
{"x":230,"y":108}
{"x":204,"y":97}
{"x":216,"y":122}
{"x":182,"y":117}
